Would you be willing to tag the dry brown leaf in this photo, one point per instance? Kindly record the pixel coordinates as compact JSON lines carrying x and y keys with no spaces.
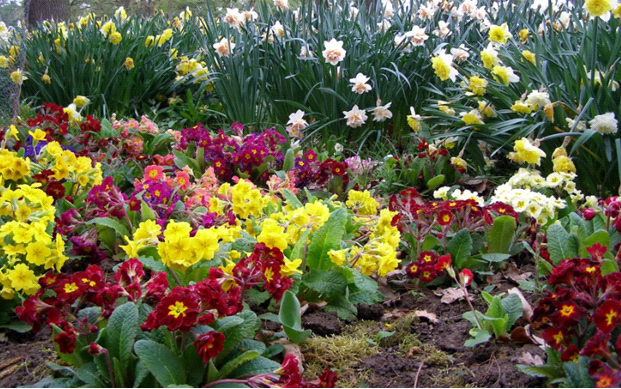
{"x":396,"y":314}
{"x":513,"y":273}
{"x":530,"y":359}
{"x":449,"y":295}
{"x":294,"y":349}
{"x":385,"y":289}
{"x":527,"y":310}
{"x":431,"y":317}
{"x":519,"y":335}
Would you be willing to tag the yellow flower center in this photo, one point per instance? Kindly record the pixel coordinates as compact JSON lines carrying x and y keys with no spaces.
{"x":70,"y":287}
{"x":177,"y":309}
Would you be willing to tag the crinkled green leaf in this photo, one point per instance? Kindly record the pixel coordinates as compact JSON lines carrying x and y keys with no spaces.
{"x":326,"y":238}
{"x":460,"y":247}
{"x":344,"y":308}
{"x":121,"y":331}
{"x":326,"y":283}
{"x":161,"y":362}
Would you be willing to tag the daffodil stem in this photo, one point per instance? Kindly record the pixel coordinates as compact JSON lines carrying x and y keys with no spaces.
{"x":594,"y":53}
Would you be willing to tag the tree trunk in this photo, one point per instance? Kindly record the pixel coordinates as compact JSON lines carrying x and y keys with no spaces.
{"x":40,"y":10}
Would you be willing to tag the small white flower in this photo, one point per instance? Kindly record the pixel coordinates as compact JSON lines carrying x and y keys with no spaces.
{"x":460,"y":54}
{"x":233,"y":18}
{"x":605,"y":123}
{"x":381,"y":112}
{"x":282,"y":4}
{"x":441,"y":193}
{"x":296,"y":120}
{"x":278,"y":29}
{"x":442,"y":31}
{"x":581,"y":126}
{"x":338,"y":148}
{"x":333,"y":52}
{"x":360,"y":86}
{"x":417,"y":36}
{"x":224,"y":48}
{"x":356,"y":117}
{"x":540,"y":99}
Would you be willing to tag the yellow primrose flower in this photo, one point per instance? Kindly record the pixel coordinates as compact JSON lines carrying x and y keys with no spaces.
{"x":290,"y":267}
{"x":361,"y":202}
{"x":22,"y":278}
{"x":4,"y":62}
{"x":38,"y":134}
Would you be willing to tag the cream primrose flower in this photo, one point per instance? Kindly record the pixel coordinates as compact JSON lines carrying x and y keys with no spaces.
{"x":338,"y":148}
{"x":416,"y":36}
{"x":356,"y":117}
{"x":360,"y":86}
{"x":224,"y":48}
{"x":442,"y":63}
{"x":605,"y":123}
{"x":381,"y":112}
{"x":460,"y":54}
{"x":333,"y":52}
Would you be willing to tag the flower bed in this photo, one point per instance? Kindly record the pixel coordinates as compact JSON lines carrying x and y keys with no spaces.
{"x":166,"y":251}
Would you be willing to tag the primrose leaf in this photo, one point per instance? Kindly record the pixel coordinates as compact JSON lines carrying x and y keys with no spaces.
{"x":165,"y":365}
{"x":560,"y":246}
{"x":460,"y":247}
{"x":326,"y":238}
{"x":478,"y":336}
{"x":500,"y":234}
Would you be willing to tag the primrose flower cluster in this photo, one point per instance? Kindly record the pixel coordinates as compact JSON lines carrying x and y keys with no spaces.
{"x":582,"y":313}
{"x":379,"y":253}
{"x":235,"y":154}
{"x":26,"y":242}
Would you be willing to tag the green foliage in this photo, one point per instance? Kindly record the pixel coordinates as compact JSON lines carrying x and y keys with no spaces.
{"x":500,"y":316}
{"x":290,"y":318}
{"x":500,"y":234}
{"x":327,"y":237}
